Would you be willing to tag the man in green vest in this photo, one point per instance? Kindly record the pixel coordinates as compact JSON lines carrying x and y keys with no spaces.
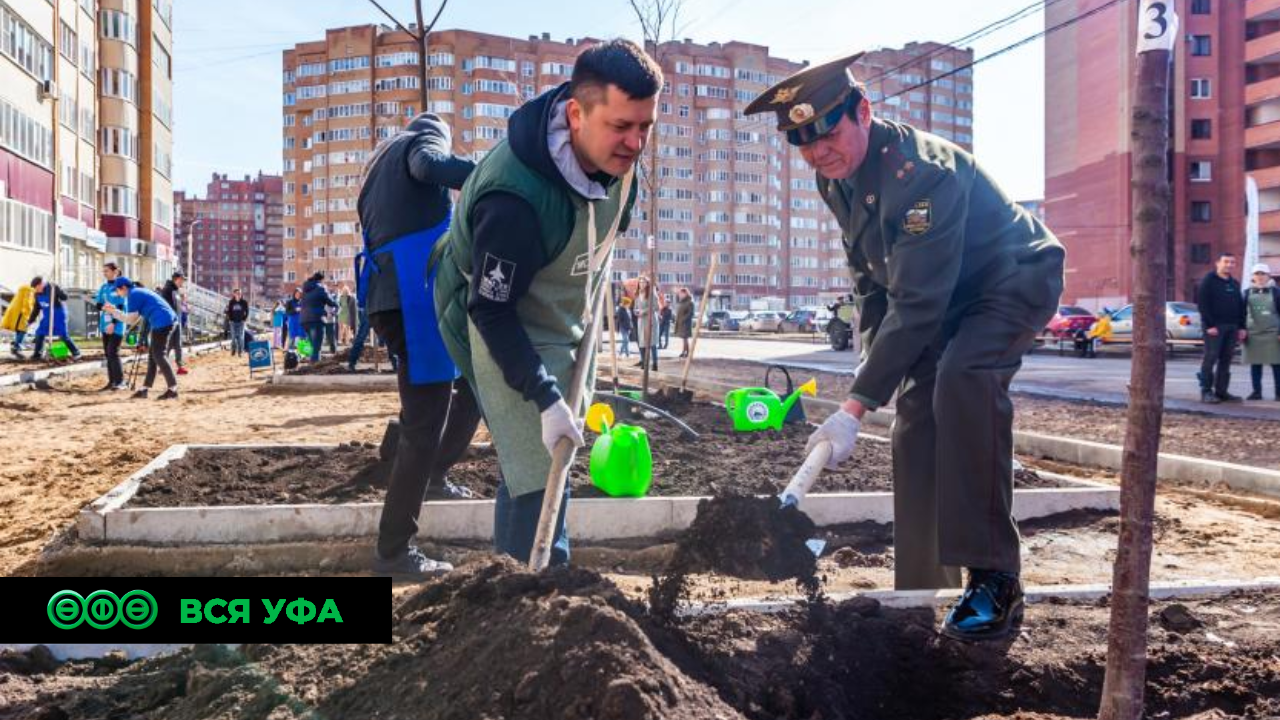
{"x":526,"y":259}
{"x":952,"y":282}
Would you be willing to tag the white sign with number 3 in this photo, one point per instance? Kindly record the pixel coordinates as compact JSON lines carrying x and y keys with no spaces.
{"x":1157,"y":26}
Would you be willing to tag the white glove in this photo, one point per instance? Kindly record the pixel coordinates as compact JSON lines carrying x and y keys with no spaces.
{"x":558,"y":422}
{"x":841,"y":430}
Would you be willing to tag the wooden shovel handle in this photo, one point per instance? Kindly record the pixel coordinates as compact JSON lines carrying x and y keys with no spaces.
{"x":808,"y":473}
{"x":697,"y":325}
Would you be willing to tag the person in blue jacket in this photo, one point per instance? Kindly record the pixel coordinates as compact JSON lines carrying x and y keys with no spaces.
{"x":50,"y":299}
{"x":146,"y":306}
{"x":293,"y":319}
{"x":315,"y":298}
{"x":112,"y":330}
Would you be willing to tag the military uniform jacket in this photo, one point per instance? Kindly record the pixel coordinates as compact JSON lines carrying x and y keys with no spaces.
{"x":929,"y":236}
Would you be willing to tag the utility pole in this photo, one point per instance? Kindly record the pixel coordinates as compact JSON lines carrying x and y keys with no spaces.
{"x":1122,"y":689}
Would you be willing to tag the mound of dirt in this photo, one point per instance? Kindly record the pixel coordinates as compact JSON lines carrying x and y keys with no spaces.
{"x":495,"y":641}
{"x":740,"y":536}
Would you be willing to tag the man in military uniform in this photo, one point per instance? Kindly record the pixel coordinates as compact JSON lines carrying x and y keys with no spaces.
{"x":952,"y":281}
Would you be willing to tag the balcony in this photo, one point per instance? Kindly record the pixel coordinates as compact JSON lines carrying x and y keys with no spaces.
{"x":1268,"y":178}
{"x":1260,"y":92}
{"x":1256,"y":10}
{"x":1263,"y":136}
{"x":1265,"y":49}
{"x":1269,"y":222}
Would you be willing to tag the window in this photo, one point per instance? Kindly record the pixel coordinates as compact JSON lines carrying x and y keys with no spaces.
{"x":24,"y":45}
{"x":120,"y":142}
{"x":1201,"y":45}
{"x":116,"y":25}
{"x":1201,"y":171}
{"x":348,"y":64}
{"x":1201,"y":89}
{"x":119,"y":200}
{"x":1201,"y":7}
{"x":1200,"y":253}
{"x":1201,"y":129}
{"x":118,"y":83}
{"x":527,"y":69}
{"x":1201,"y":211}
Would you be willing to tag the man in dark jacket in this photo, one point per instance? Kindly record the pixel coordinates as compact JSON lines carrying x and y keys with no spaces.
{"x":404,"y":208}
{"x":953,"y":282}
{"x":525,"y":264}
{"x":1222,"y":315}
{"x":315,"y":298}
{"x":173,"y":294}
{"x":237,"y":313}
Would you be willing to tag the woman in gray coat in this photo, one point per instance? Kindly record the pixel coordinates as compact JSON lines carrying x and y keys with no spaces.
{"x":684,"y":319}
{"x":1262,"y":346}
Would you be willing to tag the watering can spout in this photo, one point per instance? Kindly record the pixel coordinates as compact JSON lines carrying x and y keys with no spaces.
{"x":810,"y":388}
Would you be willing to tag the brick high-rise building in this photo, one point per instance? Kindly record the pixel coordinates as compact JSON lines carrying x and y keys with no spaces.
{"x":1225,"y":126}
{"x":113,"y":84}
{"x":727,"y":184}
{"x":236,"y":231}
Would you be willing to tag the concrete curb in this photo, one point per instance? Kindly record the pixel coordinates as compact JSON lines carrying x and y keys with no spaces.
{"x":1173,"y":468}
{"x":935,"y":598}
{"x":109,"y":520}
{"x":30,"y":377}
{"x":332,"y":383}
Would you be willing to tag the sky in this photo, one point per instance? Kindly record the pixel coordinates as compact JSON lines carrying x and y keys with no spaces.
{"x":227,"y":71}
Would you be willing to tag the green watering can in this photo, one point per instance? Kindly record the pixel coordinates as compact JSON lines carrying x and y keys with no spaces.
{"x":755,"y":408}
{"x":303,"y":346}
{"x":621,"y":461}
{"x":58,"y":350}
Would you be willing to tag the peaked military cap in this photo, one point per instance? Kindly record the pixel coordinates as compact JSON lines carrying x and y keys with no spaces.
{"x":810,"y":103}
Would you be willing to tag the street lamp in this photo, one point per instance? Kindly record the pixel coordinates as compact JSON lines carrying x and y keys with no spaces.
{"x":191,"y":249}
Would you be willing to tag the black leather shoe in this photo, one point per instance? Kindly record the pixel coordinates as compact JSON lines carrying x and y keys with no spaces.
{"x":1255,"y":395}
{"x":990,"y":608}
{"x":1229,"y":398}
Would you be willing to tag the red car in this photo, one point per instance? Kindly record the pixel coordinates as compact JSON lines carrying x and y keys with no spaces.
{"x":1068,"y":321}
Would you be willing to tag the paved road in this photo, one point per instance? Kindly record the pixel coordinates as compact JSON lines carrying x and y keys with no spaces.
{"x":1103,"y":379}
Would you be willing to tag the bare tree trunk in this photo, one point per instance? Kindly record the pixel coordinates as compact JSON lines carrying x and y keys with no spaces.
{"x":421,"y":47}
{"x":1122,"y":690}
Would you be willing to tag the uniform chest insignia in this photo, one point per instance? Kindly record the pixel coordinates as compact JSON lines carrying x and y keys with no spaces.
{"x":786,"y":94}
{"x":801,"y":113}
{"x":919,"y":218}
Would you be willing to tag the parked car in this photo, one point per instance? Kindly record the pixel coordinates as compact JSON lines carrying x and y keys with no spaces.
{"x":763,"y":321}
{"x":805,"y":320}
{"x":1181,"y":322}
{"x":720,"y":320}
{"x":1069,"y":320}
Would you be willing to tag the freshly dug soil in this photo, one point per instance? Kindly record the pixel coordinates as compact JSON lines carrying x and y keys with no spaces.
{"x":745,"y":536}
{"x":493,"y":641}
{"x":337,"y":365}
{"x":722,"y":462}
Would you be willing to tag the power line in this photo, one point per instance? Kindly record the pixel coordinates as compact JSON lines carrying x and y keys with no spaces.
{"x":975,"y":35}
{"x":1008,"y":48}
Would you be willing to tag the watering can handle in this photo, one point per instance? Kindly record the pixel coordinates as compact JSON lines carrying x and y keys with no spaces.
{"x":768,"y":372}
{"x":808,"y":473}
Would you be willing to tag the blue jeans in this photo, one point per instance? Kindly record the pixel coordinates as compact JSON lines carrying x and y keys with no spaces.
{"x":626,"y":344}
{"x":357,"y":345}
{"x":18,"y":337}
{"x":315,"y":333}
{"x":515,"y":523}
{"x":237,"y":337}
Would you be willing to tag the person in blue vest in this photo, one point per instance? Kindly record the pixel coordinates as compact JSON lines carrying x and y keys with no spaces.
{"x":293,"y":319}
{"x":50,"y":299}
{"x":147,"y":306}
{"x":112,"y":330}
{"x":404,"y":208}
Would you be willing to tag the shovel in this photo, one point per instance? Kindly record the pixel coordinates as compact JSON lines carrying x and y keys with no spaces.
{"x":801,"y":483}
{"x":682,"y":394}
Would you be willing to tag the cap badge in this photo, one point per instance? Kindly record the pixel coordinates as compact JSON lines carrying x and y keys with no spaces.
{"x":801,"y":113}
{"x":786,"y":94}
